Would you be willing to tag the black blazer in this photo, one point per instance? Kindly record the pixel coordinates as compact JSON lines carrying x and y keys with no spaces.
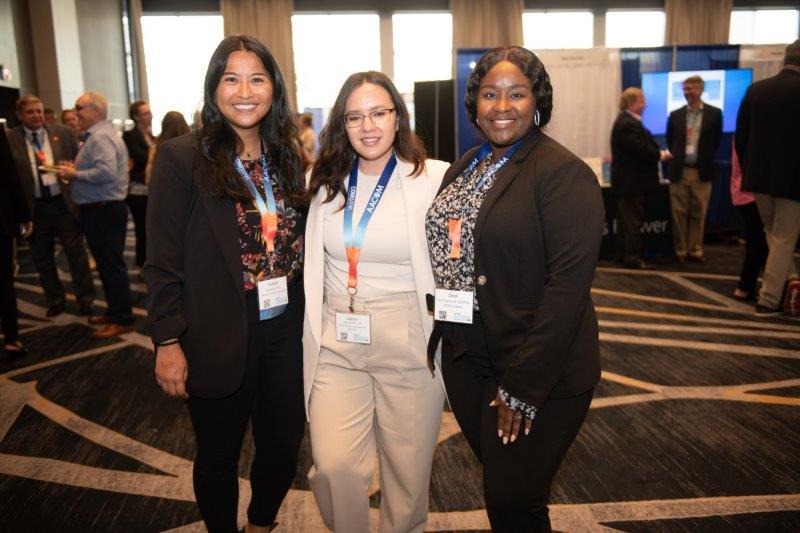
{"x":194,"y":269}
{"x":710,"y":137}
{"x":138,"y":151}
{"x":768,"y":136}
{"x":64,"y":145}
{"x":537,"y":240}
{"x":13,"y":207}
{"x":634,"y":157}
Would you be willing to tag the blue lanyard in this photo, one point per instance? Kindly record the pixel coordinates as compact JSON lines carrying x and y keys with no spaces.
{"x":482,"y":153}
{"x":353,"y":241}
{"x":267,"y":209}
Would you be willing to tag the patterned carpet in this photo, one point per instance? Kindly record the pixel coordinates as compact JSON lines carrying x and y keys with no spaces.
{"x":695,"y":425}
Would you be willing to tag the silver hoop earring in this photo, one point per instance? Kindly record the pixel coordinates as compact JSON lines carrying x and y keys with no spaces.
{"x":537,"y":118}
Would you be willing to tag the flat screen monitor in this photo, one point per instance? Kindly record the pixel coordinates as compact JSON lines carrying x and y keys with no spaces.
{"x":663,"y":92}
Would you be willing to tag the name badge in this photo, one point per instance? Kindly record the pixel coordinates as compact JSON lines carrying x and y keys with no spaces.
{"x":453,"y":306}
{"x":353,"y":327}
{"x":272,"y":293}
{"x":49,"y":179}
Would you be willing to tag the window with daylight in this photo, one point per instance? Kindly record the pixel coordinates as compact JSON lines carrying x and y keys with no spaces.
{"x":764,"y":26}
{"x":625,"y":29}
{"x":176,"y":53}
{"x":327,"y":49}
{"x":557,"y":29}
{"x":418,"y":59}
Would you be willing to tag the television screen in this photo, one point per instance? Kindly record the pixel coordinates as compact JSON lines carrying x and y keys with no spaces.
{"x":663,"y":92}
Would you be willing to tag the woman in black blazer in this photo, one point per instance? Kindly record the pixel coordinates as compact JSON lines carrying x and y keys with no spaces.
{"x":514,"y":236}
{"x":15,"y":222}
{"x":224,"y":266}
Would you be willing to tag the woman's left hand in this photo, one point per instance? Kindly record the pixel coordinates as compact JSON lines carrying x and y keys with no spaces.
{"x":509,"y":421}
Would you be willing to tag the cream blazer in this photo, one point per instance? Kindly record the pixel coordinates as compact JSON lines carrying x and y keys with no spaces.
{"x":418,"y":194}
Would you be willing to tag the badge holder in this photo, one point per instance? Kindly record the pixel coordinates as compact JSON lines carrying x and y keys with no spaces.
{"x":353,"y":326}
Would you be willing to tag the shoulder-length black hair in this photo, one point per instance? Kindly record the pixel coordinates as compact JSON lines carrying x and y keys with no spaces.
{"x":335,"y":152}
{"x":531,"y":67}
{"x":220,"y":143}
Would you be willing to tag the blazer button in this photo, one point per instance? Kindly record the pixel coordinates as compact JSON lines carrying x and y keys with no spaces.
{"x":481,"y":280}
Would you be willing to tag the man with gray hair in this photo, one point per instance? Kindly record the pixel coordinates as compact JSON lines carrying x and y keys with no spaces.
{"x":767,"y":139}
{"x":99,"y":179}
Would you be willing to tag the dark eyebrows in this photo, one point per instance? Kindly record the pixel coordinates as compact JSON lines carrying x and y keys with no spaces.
{"x":512,"y":87}
{"x":230,"y":72}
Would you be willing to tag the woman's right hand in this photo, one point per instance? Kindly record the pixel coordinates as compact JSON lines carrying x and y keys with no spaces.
{"x":172,"y":370}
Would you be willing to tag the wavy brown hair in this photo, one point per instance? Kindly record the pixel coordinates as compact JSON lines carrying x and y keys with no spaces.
{"x":336,"y":154}
{"x":220,"y":144}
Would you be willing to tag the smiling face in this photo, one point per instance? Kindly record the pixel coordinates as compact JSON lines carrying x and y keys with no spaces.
{"x":692,"y":90}
{"x":505,"y":105}
{"x":373,"y":142}
{"x":638,"y":105}
{"x":88,"y":114}
{"x":244,"y":93}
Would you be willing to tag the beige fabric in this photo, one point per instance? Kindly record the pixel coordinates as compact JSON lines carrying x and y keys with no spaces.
{"x":269,"y":21}
{"x":698,"y":21}
{"x":138,"y":48}
{"x":689,"y":202}
{"x":374,"y":399}
{"x":781,"y":218}
{"x":486,"y":23}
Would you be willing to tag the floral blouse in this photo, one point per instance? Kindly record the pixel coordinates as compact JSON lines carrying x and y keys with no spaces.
{"x":461,"y":199}
{"x":257,"y":263}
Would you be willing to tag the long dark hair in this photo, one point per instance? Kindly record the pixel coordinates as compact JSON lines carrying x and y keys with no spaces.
{"x":220,"y":144}
{"x":530,"y":65}
{"x":172,"y":125}
{"x":335,"y":152}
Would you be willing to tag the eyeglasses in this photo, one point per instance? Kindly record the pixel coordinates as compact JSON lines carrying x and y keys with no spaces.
{"x":379,"y":117}
{"x":79,"y":107}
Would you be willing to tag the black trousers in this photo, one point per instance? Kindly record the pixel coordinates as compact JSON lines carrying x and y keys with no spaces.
{"x":52,"y":219}
{"x":105,"y":227}
{"x":8,"y":296}
{"x":755,"y":248}
{"x":630,"y":215}
{"x":138,"y":206}
{"x":271,"y":397}
{"x":516,"y":476}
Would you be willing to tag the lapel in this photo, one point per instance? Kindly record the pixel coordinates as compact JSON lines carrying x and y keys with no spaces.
{"x":505,"y":177}
{"x":314,"y":263}
{"x":19,"y":147}
{"x":416,"y":199}
{"x":222,"y":217}
{"x":458,"y":167}
{"x":56,"y":143}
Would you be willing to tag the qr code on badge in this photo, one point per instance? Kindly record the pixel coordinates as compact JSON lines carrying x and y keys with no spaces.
{"x":442,"y":315}
{"x":267,"y":302}
{"x":343,"y":336}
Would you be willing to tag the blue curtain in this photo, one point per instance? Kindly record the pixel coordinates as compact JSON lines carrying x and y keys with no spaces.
{"x":637,"y":60}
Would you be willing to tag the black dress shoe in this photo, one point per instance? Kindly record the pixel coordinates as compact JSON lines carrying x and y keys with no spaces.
{"x":54,"y":310}
{"x":17,"y":352}
{"x":85,"y":309}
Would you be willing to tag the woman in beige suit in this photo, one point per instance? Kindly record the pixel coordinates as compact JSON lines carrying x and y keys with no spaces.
{"x":368,"y":388}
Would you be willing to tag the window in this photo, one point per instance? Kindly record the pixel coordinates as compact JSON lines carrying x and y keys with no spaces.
{"x":557,"y":29}
{"x":764,"y":26}
{"x":417,"y":59}
{"x":350,"y":43}
{"x":176,"y":53}
{"x":635,"y":28}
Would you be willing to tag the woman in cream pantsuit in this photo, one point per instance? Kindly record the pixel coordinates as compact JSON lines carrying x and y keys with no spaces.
{"x":377,"y":398}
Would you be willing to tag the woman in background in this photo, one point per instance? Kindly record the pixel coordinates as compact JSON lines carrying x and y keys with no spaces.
{"x":139,"y":140}
{"x":172,"y":125}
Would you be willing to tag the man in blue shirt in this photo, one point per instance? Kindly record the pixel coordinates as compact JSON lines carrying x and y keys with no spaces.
{"x":99,"y":184}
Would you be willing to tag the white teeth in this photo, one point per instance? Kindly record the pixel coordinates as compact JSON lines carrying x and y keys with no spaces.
{"x":244,"y":107}
{"x":503,"y":121}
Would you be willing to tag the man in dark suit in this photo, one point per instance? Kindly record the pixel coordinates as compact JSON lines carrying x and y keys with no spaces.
{"x":634,"y":173}
{"x":33,"y":145}
{"x":693,"y":135}
{"x":15,"y":222}
{"x":767,"y":140}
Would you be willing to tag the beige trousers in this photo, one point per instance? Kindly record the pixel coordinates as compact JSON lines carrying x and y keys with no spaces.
{"x":374,"y":399}
{"x":781,"y":218}
{"x":689,"y":202}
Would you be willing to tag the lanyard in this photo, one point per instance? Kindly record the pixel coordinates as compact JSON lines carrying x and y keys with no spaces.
{"x":454,"y":224}
{"x":354,"y":240}
{"x":267,"y":209}
{"x":39,"y":147}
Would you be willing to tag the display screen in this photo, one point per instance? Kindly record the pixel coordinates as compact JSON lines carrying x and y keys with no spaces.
{"x":663,"y":92}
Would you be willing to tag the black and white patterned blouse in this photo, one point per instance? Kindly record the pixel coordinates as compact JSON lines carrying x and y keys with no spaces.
{"x":461,"y":199}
